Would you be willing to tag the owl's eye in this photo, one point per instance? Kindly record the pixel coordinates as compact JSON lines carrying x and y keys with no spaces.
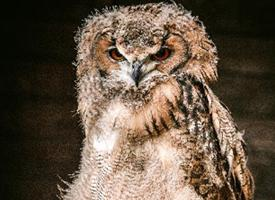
{"x":115,"y":55}
{"x":162,"y":54}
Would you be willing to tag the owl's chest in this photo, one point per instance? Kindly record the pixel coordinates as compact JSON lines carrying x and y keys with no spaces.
{"x":120,"y":124}
{"x":165,"y":116}
{"x":153,"y":149}
{"x":122,"y":131}
{"x":131,"y":163}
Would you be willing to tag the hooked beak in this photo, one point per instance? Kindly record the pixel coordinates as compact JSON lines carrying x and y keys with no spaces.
{"x":136,"y":74}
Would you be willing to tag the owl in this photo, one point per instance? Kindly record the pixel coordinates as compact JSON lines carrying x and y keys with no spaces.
{"x":153,"y":127}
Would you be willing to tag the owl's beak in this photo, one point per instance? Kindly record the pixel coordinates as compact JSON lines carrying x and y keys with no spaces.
{"x":136,"y":74}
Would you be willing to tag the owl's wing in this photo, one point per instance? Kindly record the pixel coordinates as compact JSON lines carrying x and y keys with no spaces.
{"x":232,"y":147}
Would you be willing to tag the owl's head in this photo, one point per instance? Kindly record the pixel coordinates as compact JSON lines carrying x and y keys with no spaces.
{"x":132,"y":46}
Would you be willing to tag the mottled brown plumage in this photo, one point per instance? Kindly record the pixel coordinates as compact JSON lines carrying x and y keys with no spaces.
{"x":154,"y":129}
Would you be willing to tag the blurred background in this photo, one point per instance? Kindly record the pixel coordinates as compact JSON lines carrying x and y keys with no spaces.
{"x":40,"y":135}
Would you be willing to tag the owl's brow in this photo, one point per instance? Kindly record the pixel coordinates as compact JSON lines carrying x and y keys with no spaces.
{"x":165,"y":37}
{"x":109,"y":36}
{"x":113,"y":40}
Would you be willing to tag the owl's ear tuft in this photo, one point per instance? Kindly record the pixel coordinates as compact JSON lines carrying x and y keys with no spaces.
{"x":203,"y":53}
{"x":86,"y":38}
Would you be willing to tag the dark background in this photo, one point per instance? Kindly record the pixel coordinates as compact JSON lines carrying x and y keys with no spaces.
{"x":40,"y":134}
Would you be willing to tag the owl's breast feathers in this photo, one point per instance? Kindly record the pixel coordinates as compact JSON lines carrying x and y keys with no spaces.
{"x":183,"y":125}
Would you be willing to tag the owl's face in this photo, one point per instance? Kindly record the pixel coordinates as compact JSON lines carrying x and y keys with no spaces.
{"x":135,"y":62}
{"x":133,"y":47}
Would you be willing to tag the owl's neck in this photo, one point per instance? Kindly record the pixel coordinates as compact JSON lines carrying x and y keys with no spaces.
{"x":98,"y":99}
{"x":140,"y":109}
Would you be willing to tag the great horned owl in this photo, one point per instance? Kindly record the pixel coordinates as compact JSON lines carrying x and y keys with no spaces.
{"x":153,"y":127}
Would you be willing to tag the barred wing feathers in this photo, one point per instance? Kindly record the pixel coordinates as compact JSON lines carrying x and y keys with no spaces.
{"x":232,"y":147}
